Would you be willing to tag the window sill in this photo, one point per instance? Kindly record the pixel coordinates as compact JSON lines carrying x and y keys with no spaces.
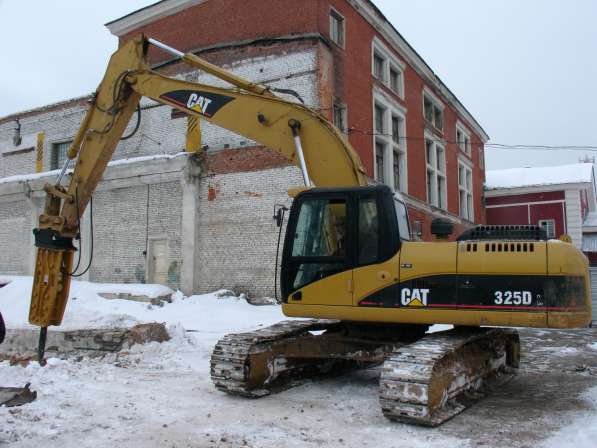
{"x":431,"y":127}
{"x":387,"y":89}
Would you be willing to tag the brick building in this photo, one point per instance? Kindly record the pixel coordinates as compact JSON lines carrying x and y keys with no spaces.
{"x":204,"y":225}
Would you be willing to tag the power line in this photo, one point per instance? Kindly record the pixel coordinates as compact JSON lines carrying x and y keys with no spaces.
{"x":488,"y":145}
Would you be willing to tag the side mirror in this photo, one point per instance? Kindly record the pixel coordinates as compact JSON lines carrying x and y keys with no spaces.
{"x":279,"y":211}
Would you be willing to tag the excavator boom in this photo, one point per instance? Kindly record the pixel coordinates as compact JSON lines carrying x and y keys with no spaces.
{"x":297,"y":132}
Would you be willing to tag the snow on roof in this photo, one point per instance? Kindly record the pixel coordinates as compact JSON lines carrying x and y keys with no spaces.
{"x":33,"y":176}
{"x":547,"y":175}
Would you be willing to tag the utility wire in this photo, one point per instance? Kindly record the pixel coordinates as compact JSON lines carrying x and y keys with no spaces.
{"x":487,"y":145}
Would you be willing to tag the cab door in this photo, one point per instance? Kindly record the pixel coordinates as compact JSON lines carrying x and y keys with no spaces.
{"x":377,"y":242}
{"x":317,"y":265}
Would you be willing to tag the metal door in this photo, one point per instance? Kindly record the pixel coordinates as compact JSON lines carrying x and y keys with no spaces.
{"x":158,"y":261}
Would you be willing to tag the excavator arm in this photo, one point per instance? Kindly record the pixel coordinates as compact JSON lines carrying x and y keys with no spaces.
{"x":297,"y":132}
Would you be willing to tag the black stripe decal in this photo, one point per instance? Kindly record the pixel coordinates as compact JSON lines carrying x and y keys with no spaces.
{"x":530,"y":293}
{"x":205,"y":103}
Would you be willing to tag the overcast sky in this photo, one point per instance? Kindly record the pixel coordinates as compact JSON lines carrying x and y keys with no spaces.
{"x":527,"y":70}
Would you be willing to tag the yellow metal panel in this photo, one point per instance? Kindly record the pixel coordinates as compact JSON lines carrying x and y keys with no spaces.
{"x":334,"y":290}
{"x":565,"y":259}
{"x":39,"y":152}
{"x":369,"y":279}
{"x":419,"y":259}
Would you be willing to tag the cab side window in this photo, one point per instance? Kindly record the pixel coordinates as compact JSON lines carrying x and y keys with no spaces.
{"x":319,"y":244}
{"x":368,"y":231}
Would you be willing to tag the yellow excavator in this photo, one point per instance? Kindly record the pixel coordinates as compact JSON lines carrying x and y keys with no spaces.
{"x":348,"y":261}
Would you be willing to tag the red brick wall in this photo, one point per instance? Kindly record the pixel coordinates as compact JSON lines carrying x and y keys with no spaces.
{"x":225,"y":21}
{"x":254,"y":158}
{"x":348,"y":75}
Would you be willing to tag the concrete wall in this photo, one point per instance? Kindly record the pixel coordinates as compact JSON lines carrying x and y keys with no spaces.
{"x":125,"y":219}
{"x":237,"y":243}
{"x":15,"y":231}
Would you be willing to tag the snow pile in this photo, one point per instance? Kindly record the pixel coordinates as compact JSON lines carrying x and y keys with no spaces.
{"x":86,"y":309}
{"x":548,"y":175}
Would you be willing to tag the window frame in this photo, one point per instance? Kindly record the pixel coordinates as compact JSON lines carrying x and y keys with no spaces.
{"x":466,"y":145}
{"x":391,"y":147}
{"x":437,"y":106}
{"x":335,"y":15}
{"x":54,"y":159}
{"x":466,"y":212}
{"x":337,"y":104}
{"x":389,"y":63}
{"x":434,"y":175}
{"x":549,"y":220}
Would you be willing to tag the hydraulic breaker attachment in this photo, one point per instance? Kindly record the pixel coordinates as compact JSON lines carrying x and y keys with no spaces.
{"x":51,"y":284}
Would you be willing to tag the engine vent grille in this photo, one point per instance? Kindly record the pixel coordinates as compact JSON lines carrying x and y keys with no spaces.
{"x":510,"y":247}
{"x":517,"y":233}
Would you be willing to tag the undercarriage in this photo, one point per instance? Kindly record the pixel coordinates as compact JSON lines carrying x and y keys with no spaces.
{"x":426,"y":378}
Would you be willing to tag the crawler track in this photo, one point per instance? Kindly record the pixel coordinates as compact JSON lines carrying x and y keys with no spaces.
{"x":436,"y":378}
{"x":252,"y":365}
{"x":260,"y":362}
{"x":425,"y":380}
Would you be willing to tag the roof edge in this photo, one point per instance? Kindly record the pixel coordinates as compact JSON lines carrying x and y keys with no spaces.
{"x":164,"y":8}
{"x":45,"y":108}
{"x":369,"y":11}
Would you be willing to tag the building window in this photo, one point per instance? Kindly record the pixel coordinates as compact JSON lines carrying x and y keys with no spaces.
{"x":378,"y":66}
{"x":550,"y":227}
{"x":481,"y":157}
{"x":339,"y":116}
{"x":337,"y":27}
{"x":436,"y":174}
{"x":59,"y":154}
{"x":395,"y":80}
{"x":390,"y":144}
{"x":433,"y":111}
{"x":465,"y":190}
{"x":380,"y":150}
{"x":387,"y":68}
{"x":463,"y":139}
{"x":380,"y":113}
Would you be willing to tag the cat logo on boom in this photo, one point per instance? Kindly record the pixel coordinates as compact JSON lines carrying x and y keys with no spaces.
{"x":198,"y":103}
{"x":414,"y":297}
{"x":205,"y":103}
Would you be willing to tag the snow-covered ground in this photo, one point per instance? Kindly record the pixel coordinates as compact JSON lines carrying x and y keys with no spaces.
{"x":160,"y":395}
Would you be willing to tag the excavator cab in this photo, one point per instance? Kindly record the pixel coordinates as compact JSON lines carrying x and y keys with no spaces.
{"x":332,"y":231}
